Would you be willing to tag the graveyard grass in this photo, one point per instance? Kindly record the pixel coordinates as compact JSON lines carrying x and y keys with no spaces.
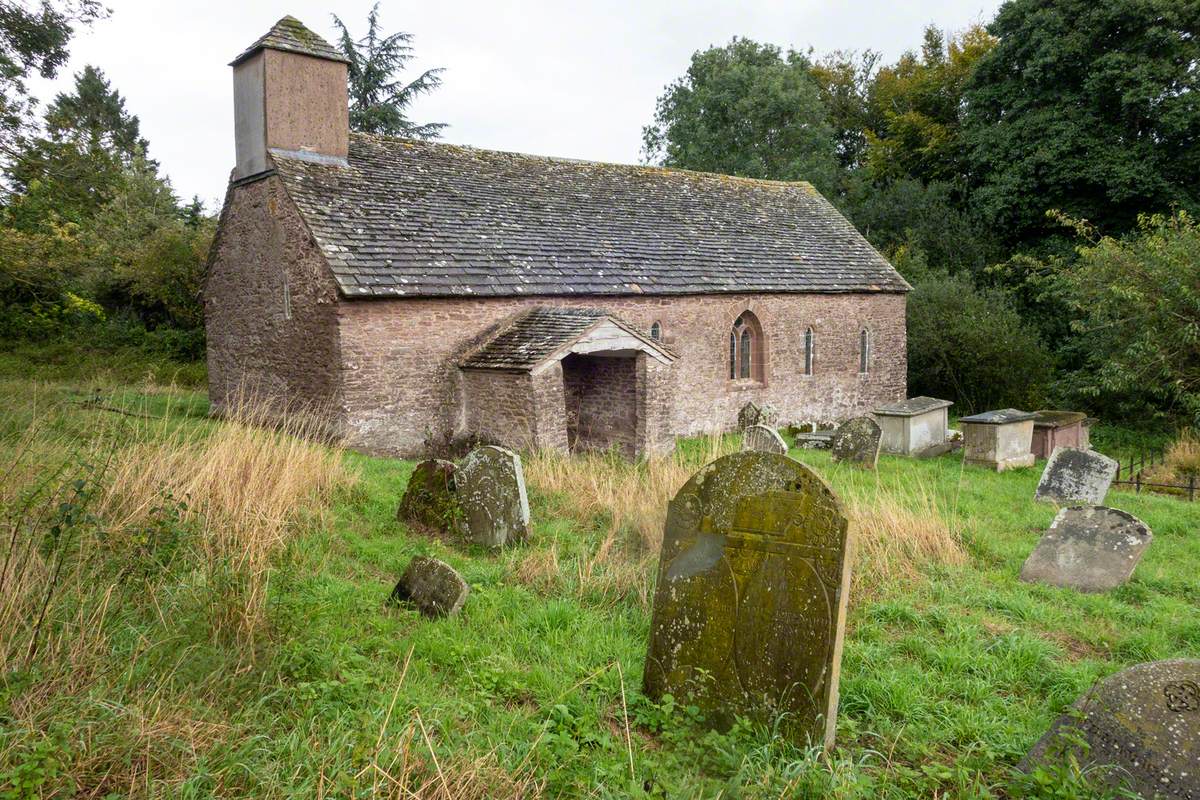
{"x":206,"y":645}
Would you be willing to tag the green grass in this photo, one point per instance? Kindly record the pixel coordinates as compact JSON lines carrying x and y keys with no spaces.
{"x":947,"y":680}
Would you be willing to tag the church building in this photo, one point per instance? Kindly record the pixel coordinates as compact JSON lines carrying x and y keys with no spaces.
{"x":416,"y":293}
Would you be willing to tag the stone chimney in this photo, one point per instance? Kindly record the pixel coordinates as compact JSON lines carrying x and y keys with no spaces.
{"x":289,"y":94}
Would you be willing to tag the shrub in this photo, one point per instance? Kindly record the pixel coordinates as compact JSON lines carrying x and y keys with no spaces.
{"x":970,"y":345}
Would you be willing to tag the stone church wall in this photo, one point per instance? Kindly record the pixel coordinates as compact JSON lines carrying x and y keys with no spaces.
{"x":400,"y":379}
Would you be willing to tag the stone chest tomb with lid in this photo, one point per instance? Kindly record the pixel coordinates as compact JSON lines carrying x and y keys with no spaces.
{"x":914,"y":426}
{"x":1053,"y":429}
{"x":998,"y":440}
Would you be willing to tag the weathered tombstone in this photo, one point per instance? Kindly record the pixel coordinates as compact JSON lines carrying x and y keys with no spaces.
{"x":753,"y":414}
{"x":1088,"y":548}
{"x":763,"y":439}
{"x":433,"y":586}
{"x":493,"y":506}
{"x":1073,"y":475}
{"x":748,"y":415}
{"x":429,"y":499}
{"x":857,"y":442}
{"x":750,"y":606}
{"x":1139,"y":728}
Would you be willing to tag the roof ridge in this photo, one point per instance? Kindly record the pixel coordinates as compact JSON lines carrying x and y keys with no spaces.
{"x":650,"y":168}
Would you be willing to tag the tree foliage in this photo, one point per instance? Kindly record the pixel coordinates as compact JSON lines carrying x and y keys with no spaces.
{"x":1091,"y":107}
{"x":745,"y":109}
{"x":970,"y":345}
{"x":33,"y":41}
{"x":74,"y":168}
{"x":379,"y":102}
{"x":1136,"y":305}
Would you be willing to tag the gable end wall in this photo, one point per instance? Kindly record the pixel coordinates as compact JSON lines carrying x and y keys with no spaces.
{"x":253,"y":348}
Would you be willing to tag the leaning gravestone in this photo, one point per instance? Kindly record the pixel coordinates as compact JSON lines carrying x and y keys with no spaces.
{"x":1073,"y":475}
{"x":433,"y":586}
{"x":751,"y":599}
{"x":429,"y":499}
{"x":1139,"y":728}
{"x":1088,"y":548}
{"x":763,"y":439}
{"x":857,"y":442}
{"x":493,"y":506}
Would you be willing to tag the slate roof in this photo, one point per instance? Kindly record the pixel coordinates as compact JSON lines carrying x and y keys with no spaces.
{"x":424,"y":219}
{"x":290,"y":34}
{"x":533,"y":336}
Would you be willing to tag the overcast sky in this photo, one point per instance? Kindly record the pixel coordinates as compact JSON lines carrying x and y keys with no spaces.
{"x":554,"y":78}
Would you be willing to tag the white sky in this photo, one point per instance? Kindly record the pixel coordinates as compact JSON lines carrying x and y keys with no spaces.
{"x":554,"y":78}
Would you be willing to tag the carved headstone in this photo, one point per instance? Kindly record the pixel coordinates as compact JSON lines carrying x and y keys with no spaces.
{"x":1074,"y":475}
{"x":1088,"y":548}
{"x":493,"y":506}
{"x":433,"y":586}
{"x":1139,"y":728}
{"x":429,"y":499}
{"x":753,"y":414}
{"x":763,"y":439}
{"x":857,"y":442}
{"x":751,"y":599}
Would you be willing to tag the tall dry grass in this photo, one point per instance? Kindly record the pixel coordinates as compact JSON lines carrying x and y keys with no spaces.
{"x":88,"y":491}
{"x":622,"y":504}
{"x":898,"y":529}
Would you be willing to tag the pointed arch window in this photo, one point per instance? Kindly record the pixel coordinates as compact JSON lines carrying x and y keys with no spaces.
{"x":864,"y":350}
{"x":746,"y":349}
{"x":808,"y":351}
{"x":656,"y":331}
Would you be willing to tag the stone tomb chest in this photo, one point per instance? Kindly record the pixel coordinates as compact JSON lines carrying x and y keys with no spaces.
{"x":998,"y":440}
{"x":914,"y":426}
{"x":1053,"y":429}
{"x":751,"y":599}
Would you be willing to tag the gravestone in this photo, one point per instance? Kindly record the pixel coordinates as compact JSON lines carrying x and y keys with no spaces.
{"x":1088,"y":548}
{"x":493,"y":506}
{"x":753,"y":414}
{"x":1139,"y":728}
{"x":1074,"y":475}
{"x":433,"y":586}
{"x":750,"y":605}
{"x":429,"y":499}
{"x":763,"y":439}
{"x":857,"y":442}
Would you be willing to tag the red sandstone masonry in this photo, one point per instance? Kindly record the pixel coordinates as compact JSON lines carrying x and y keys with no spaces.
{"x":399,"y":356}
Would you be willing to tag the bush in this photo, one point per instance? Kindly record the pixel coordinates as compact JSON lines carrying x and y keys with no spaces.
{"x":970,"y":345}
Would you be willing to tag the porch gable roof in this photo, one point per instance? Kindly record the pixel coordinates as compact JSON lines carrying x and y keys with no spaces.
{"x":545,"y":334}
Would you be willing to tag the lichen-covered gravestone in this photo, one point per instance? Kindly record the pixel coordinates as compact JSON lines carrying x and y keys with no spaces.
{"x":751,"y":599}
{"x":1139,"y":728}
{"x":763,"y":439}
{"x":433,"y":586}
{"x":429,"y":499}
{"x":857,"y":442}
{"x":753,"y":414}
{"x":493,"y":507}
{"x":1073,"y":475}
{"x":1088,"y":548}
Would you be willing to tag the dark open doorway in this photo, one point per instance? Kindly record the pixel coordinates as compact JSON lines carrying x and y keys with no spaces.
{"x":601,"y":402}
